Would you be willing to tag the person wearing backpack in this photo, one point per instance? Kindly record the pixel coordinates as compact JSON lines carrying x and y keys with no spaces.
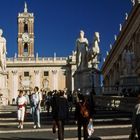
{"x":83,"y":114}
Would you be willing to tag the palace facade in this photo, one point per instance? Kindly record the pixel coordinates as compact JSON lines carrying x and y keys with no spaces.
{"x":26,"y":70}
{"x":121,"y":68}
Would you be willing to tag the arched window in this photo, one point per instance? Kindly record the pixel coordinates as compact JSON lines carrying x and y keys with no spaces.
{"x":26,"y":27}
{"x":25,"y":49}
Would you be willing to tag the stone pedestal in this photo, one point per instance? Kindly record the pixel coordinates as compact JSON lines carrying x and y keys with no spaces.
{"x":87,"y":79}
{"x":3,"y":89}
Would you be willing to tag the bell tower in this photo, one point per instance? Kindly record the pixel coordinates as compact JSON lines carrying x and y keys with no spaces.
{"x":25,"y":33}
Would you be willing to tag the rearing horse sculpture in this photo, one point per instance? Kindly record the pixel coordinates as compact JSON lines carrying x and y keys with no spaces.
{"x":94,"y":51}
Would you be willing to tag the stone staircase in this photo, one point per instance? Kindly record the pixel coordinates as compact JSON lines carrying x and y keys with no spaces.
{"x":108,"y":124}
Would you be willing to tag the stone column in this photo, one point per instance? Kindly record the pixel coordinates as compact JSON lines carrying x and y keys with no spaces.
{"x":137,"y":44}
{"x":110,"y":81}
{"x":29,"y":48}
{"x":32,"y":47}
{"x":55,"y":79}
{"x":33,"y":27}
{"x":30,"y":26}
{"x":22,"y":27}
{"x":19,"y":47}
{"x":37,"y":78}
{"x":15,"y":84}
{"x":2,"y":80}
{"x":115,"y":73}
{"x":19,"y":25}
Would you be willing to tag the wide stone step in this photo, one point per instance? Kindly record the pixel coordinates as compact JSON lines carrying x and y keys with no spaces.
{"x":115,"y":132}
{"x":108,"y":125}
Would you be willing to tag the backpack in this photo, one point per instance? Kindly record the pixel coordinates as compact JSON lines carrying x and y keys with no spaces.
{"x":84,"y":111}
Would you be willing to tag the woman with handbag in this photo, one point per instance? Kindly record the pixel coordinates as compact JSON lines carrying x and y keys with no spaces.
{"x":83,"y":115}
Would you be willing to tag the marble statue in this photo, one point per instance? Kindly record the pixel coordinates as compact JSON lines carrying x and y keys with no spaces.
{"x":107,"y":53}
{"x":96,"y":48}
{"x":94,"y":52}
{"x":45,"y":83}
{"x":73,"y":53}
{"x":37,"y":55}
{"x":126,"y":16}
{"x":115,"y":37}
{"x":2,"y":52}
{"x":15,"y":56}
{"x":120,"y":27}
{"x":81,"y":51}
{"x":133,"y":2}
{"x":25,"y":8}
{"x":110,"y":46}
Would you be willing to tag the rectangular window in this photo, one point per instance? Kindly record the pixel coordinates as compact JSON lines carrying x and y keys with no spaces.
{"x":46,"y":73}
{"x":26,"y":74}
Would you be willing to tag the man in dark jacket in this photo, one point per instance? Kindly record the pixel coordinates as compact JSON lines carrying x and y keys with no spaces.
{"x":60,"y":113}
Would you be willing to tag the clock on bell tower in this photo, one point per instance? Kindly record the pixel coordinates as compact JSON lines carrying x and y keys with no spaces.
{"x":25,"y":33}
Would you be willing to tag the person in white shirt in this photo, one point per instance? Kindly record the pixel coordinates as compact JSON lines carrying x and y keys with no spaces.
{"x":21,"y":102}
{"x":36,"y":98}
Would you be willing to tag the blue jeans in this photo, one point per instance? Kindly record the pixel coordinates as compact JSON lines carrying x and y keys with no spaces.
{"x":36,"y":115}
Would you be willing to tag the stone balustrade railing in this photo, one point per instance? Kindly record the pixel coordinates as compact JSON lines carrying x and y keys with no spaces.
{"x":116,"y":102}
{"x":37,"y":59}
{"x":123,"y":90}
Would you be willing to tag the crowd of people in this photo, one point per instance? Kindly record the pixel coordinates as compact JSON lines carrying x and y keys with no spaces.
{"x":59,"y":105}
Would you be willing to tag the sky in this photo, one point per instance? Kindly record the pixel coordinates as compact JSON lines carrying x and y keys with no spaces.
{"x":58,"y":23}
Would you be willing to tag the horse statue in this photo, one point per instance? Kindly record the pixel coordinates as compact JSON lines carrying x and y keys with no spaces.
{"x":94,"y":51}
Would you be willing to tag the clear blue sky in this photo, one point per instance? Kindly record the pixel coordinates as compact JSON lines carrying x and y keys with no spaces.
{"x":58,"y":22}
